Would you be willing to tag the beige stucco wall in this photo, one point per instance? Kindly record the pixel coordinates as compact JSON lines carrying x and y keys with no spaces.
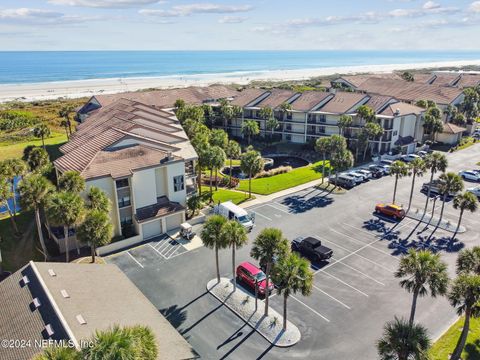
{"x":144,"y":187}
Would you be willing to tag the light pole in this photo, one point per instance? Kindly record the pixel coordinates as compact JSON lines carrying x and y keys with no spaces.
{"x":256,"y":294}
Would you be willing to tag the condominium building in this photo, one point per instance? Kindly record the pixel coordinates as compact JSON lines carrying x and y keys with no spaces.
{"x":142,"y":159}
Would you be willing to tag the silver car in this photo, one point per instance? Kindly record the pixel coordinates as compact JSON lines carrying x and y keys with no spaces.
{"x":367,"y":174}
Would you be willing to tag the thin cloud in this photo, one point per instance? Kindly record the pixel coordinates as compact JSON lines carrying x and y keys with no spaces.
{"x":199,"y":8}
{"x":42,"y":17}
{"x":428,"y":8}
{"x":107,"y":4}
{"x":475,"y":6}
{"x":232,"y":20}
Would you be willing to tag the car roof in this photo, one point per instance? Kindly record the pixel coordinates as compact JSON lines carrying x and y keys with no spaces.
{"x":311,"y":240}
{"x":394,"y":206}
{"x":250,"y":267}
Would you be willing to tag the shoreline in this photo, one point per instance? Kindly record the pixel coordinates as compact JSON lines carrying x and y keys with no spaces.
{"x":86,"y":88}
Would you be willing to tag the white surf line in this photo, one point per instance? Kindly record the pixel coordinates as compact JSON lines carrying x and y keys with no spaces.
{"x":343,"y":282}
{"x":158,"y":252}
{"x":308,"y":307}
{"x":333,"y":298}
{"x":135,"y":260}
{"x":279,"y":209}
{"x":358,"y":255}
{"x":361,"y":242}
{"x":361,"y":273}
{"x":261,"y":215}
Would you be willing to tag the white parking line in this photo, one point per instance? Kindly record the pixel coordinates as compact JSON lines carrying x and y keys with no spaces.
{"x":135,"y":260}
{"x":308,"y":307}
{"x":163,"y":244}
{"x":361,"y":273}
{"x":158,"y":252}
{"x":333,"y":298}
{"x":174,"y":248}
{"x":358,"y":255}
{"x":286,"y":212}
{"x":261,"y":215}
{"x":343,"y":282}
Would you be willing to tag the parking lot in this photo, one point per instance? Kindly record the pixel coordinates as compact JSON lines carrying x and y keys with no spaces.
{"x":354,"y":293}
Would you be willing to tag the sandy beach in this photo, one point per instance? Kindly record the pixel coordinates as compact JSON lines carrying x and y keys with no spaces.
{"x":87,"y":88}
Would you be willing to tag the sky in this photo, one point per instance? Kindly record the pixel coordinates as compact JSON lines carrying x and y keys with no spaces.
{"x":239,"y":25}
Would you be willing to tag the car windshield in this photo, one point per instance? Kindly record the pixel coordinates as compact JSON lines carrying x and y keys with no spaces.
{"x":243,"y":219}
{"x":260,"y":276}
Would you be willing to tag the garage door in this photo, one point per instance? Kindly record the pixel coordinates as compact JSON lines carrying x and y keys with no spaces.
{"x":151,"y":229}
{"x":174,"y":221}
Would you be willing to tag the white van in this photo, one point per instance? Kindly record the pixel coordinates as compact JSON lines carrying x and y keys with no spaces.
{"x":233,"y":212}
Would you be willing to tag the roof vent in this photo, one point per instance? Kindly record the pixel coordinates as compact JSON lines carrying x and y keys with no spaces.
{"x":397,"y":111}
{"x":25,"y":280}
{"x":51,"y":272}
{"x":80,"y":319}
{"x":49,"y":330}
{"x":65,"y":294}
{"x":36,"y":303}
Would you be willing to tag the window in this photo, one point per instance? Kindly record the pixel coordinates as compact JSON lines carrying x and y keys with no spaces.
{"x":395,"y":133}
{"x":124,"y":201}
{"x":122,"y":183}
{"x":323,"y":118}
{"x":127,"y":220}
{"x":178,"y":183}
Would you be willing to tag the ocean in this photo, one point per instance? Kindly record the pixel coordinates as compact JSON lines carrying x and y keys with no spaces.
{"x":20,"y":67}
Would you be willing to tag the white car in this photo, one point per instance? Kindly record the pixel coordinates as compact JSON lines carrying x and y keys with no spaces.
{"x":470,"y":175}
{"x":358,"y":179}
{"x":367,"y":174}
{"x":356,"y":173}
{"x":386,"y":162}
{"x":410,"y":157}
{"x":475,"y":191}
{"x":422,"y":153}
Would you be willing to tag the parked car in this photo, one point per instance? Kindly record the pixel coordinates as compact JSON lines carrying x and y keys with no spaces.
{"x":410,"y":157}
{"x":357,"y":174}
{"x":475,"y":191}
{"x":248,"y":274}
{"x":312,"y":248}
{"x":386,"y":169}
{"x":422,"y":153}
{"x":343,"y":180}
{"x":356,"y":177}
{"x":366,"y":173}
{"x":231,"y":211}
{"x":435,"y":189}
{"x":377,"y":171}
{"x":471,"y":175}
{"x":392,"y":210}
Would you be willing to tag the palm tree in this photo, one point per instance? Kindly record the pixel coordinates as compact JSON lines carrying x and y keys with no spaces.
{"x":203,"y":152}
{"x":292,"y":274}
{"x":449,"y":183}
{"x":250,"y":128}
{"x":322,"y":145}
{"x":11,"y":169}
{"x":59,"y":353}
{"x":234,"y":235}
{"x":98,"y":200}
{"x":37,"y":159}
{"x":232,"y":151}
{"x":179,"y":103}
{"x":212,"y":238}
{"x":218,"y":137}
{"x":251,"y":163}
{"x":465,"y":297}
{"x":5,"y":195}
{"x":433,"y":121}
{"x":465,"y":201}
{"x":216,"y":159}
{"x":417,"y":167}
{"x":71,"y":181}
{"x":64,"y":124}
{"x":422,"y":272}
{"x":285,"y":107}
{"x":64,"y":113}
{"x":468,"y":261}
{"x":372,"y":131}
{"x":344,"y":122}
{"x":34,"y":190}
{"x":435,"y":162}
{"x":398,"y":169}
{"x":41,"y":131}
{"x":341,"y":161}
{"x":136,"y":342}
{"x":268,"y":246}
{"x":95,"y":230}
{"x":226,"y":112}
{"x":65,"y":209}
{"x":403,"y":341}
{"x":271,"y":123}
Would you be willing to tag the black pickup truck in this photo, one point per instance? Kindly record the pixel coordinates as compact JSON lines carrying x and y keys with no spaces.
{"x":311,"y":248}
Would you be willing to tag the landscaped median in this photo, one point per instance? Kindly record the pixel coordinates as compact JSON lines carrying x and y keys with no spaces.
{"x":295,"y":177}
{"x":222,"y":195}
{"x":243,"y":305}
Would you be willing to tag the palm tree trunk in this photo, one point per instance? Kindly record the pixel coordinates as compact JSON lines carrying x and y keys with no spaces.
{"x":14,"y":199}
{"x":414,"y":307}
{"x":216,"y":179}
{"x":40,"y":233}
{"x":411,"y":193}
{"x":284,"y":312}
{"x":395,"y":189}
{"x":267,"y":282}
{"x":323,"y":167}
{"x":216,"y":264}
{"x":230,"y":180}
{"x":458,"y":225}
{"x":76,"y":242}
{"x":443,"y":208}
{"x":93,"y":253}
{"x":67,"y":250}
{"x":66,"y":132}
{"x":211,"y":192}
{"x":249,"y":185}
{"x":457,"y":353}
{"x":233,"y":269}
{"x":199,"y":180}
{"x":365,"y":151}
{"x":69,"y":126}
{"x":428,"y":193}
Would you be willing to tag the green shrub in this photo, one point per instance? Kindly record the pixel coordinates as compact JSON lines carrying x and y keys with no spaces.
{"x":15,"y":119}
{"x":272,"y":172}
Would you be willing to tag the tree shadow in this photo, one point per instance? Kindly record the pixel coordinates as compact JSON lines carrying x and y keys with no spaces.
{"x":226,"y":355}
{"x":183,"y":332}
{"x":175,"y":315}
{"x":298,"y":204}
{"x":472,"y":350}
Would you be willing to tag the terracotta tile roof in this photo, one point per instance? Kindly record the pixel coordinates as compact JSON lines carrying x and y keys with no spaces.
{"x":276,"y":98}
{"x":423,"y":78}
{"x":92,"y":150}
{"x":342,"y":102}
{"x":379,"y":102}
{"x":445,"y":79}
{"x":410,"y":91}
{"x":401,"y":109}
{"x":309,"y":100}
{"x":161,"y":208}
{"x":468,"y":80}
{"x":357,"y":80}
{"x":449,"y":128}
{"x":245,"y":97}
{"x":166,"y":98}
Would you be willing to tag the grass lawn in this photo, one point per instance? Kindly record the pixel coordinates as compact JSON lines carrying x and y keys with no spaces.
{"x":272,"y":184}
{"x":223,"y":195}
{"x":465,"y":143}
{"x":17,"y":251}
{"x":446,"y":344}
{"x":16,"y":150}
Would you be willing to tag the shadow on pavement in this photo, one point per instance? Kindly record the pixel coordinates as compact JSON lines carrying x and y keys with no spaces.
{"x":298,"y":204}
